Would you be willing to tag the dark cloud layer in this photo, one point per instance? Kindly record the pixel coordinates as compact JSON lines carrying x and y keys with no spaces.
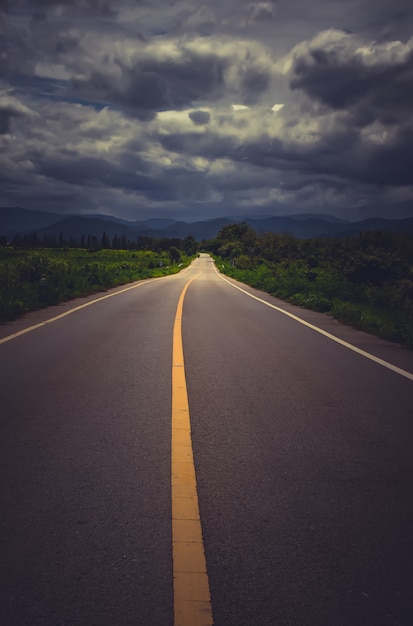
{"x":373,"y":83}
{"x":181,"y":107}
{"x":200,"y":117}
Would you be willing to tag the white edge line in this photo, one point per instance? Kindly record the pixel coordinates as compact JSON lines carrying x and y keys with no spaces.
{"x":82,"y":306}
{"x":367,"y":355}
{"x":78,"y":308}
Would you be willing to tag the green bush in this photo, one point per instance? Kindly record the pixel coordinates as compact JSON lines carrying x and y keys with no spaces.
{"x":366,"y":282}
{"x":314,"y":301}
{"x":32,"y":279}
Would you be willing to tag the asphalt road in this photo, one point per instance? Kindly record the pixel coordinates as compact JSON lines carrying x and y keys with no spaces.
{"x":303,"y":453}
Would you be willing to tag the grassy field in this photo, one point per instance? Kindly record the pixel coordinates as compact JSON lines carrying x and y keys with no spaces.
{"x":366,"y":309}
{"x":33,"y":279}
{"x":365,"y":282}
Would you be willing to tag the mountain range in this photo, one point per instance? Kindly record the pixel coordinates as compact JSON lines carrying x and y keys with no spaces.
{"x":16,"y":220}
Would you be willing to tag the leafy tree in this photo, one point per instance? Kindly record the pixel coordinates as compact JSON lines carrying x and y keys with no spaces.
{"x":174,"y":254}
{"x":189,"y":245}
{"x":235,"y":239}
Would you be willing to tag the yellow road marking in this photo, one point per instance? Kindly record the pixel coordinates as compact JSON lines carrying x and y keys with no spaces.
{"x":192,"y":600}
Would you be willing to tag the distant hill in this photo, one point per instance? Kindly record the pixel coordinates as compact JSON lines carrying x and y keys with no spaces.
{"x":16,"y":220}
{"x":377,"y":223}
{"x":154,"y":223}
{"x":206,"y":229}
{"x":301,"y":228}
{"x":76,"y":226}
{"x":318,"y":216}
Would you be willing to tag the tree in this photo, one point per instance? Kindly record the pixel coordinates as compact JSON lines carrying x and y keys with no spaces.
{"x":189,"y":245}
{"x":240,"y":237}
{"x":105,"y":243}
{"x":174,"y":254}
{"x":94,"y":243}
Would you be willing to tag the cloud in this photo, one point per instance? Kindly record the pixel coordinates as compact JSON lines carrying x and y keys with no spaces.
{"x":199,"y":118}
{"x":125,"y":70}
{"x":201,"y":20}
{"x":108,"y":8}
{"x":11,"y":108}
{"x":366,"y":86}
{"x":372,"y":81}
{"x":169,"y":106}
{"x":261,"y":11}
{"x":170,"y":73}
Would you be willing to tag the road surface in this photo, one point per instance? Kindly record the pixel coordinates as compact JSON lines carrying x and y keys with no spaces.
{"x":302,"y":450}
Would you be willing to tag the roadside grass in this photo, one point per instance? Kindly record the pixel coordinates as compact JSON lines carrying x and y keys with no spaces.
{"x":34,"y":279}
{"x":385,"y":311}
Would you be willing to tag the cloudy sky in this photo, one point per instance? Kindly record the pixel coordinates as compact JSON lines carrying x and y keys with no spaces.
{"x":190,"y":110}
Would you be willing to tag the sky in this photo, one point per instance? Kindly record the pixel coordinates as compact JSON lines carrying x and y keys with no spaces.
{"x":194,"y":110}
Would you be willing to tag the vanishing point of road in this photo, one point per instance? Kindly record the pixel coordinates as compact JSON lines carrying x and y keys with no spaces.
{"x":188,"y":450}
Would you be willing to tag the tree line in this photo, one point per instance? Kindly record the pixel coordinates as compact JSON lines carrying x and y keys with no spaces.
{"x":187,"y":245}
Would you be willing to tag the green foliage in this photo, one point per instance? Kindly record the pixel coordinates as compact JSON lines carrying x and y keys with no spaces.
{"x":174,"y":254}
{"x":189,"y":245}
{"x":242,"y":261}
{"x":364,"y":281}
{"x":234,"y":240}
{"x":32,"y":279}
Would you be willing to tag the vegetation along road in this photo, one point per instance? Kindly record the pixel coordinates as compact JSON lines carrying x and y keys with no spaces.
{"x":187,"y":450}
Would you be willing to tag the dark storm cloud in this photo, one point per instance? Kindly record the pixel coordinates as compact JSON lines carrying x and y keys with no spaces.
{"x":118,"y":104}
{"x":253,"y":84}
{"x":370,"y":88}
{"x":141,"y":93}
{"x":96,"y":172}
{"x":381,"y":20}
{"x":107,"y":8}
{"x":374,"y":83}
{"x":15,"y":53}
{"x":99,"y":174}
{"x":209,"y":146}
{"x":202,"y":20}
{"x":199,"y":118}
{"x":172,"y":75}
{"x":11,"y":109}
{"x":261,"y":11}
{"x":6,"y":115}
{"x":387,"y":165}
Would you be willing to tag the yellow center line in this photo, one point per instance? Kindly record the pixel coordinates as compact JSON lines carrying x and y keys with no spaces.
{"x":192,"y":600}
